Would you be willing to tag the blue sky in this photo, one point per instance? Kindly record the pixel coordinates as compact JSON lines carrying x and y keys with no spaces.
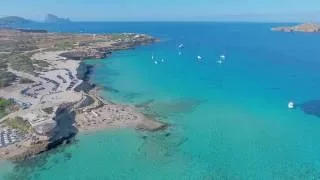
{"x":166,"y":10}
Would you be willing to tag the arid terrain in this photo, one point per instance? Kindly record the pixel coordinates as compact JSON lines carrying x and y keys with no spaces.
{"x":46,"y":98}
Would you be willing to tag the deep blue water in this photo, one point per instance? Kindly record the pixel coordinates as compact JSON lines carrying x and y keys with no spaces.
{"x":229,"y":121}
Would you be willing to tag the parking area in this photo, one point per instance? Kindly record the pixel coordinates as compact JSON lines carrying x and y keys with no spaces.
{"x":10,"y":136}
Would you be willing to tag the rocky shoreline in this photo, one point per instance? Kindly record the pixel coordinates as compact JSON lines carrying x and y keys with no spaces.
{"x":83,"y":73}
{"x":72,"y":120}
{"x":62,"y":101}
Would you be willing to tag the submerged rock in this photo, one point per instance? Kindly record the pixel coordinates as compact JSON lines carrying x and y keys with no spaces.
{"x":311,"y":107}
{"x":164,"y":109}
{"x":151,"y":125}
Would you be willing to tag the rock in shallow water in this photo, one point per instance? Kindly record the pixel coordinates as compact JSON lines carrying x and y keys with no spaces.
{"x":169,"y":108}
{"x":311,"y":107}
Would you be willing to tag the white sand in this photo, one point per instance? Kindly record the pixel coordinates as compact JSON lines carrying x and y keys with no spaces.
{"x":115,"y":116}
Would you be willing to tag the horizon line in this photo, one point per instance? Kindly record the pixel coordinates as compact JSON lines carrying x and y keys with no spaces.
{"x":174,"y":21}
{"x":203,"y":19}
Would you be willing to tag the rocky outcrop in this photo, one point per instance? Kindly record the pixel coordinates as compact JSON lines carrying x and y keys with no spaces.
{"x":308,"y":27}
{"x":39,"y":143}
{"x":37,"y":148}
{"x":83,"y":72}
{"x":99,"y":50}
{"x":151,"y":125}
{"x":133,"y":41}
{"x":87,"y":101}
{"x":85,"y":54}
{"x":50,"y":18}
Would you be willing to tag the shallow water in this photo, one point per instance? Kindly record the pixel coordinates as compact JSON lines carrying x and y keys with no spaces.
{"x":229,"y":121}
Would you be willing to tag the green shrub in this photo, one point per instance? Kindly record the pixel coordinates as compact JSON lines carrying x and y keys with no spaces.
{"x":25,"y":81}
{"x":6,"y":78}
{"x":19,"y":124}
{"x":5,"y":107}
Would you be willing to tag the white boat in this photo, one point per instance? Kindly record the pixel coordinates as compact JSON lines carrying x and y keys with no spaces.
{"x":291,"y":105}
{"x":181,"y":46}
{"x":155,"y":62}
{"x":162,"y":60}
{"x":221,"y":59}
{"x":199,"y":57}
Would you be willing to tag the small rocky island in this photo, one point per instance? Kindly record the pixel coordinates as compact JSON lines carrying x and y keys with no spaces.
{"x":45,"y":95}
{"x":51,"y":18}
{"x":308,"y":28}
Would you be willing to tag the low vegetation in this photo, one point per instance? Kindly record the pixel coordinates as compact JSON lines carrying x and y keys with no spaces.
{"x":21,"y":63}
{"x":64,"y":45}
{"x":6,"y":78}
{"x":19,"y":124}
{"x":25,"y":81}
{"x":120,"y":36}
{"x":6,"y":106}
{"x":48,"y":110}
{"x":7,"y":46}
{"x":26,"y":45}
{"x":41,"y":63}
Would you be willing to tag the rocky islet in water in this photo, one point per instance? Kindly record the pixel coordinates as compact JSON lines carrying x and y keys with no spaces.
{"x":307,"y":27}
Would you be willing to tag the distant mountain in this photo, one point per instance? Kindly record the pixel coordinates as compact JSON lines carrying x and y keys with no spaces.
{"x":9,"y":20}
{"x":50,"y":18}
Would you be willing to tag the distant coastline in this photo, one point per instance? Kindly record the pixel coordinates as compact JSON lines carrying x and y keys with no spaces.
{"x":307,"y":28}
{"x":16,"y":20}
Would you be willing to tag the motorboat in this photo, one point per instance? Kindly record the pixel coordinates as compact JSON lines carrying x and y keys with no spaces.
{"x":291,"y":105}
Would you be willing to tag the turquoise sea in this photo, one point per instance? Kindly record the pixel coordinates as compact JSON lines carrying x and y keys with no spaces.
{"x":229,"y":121}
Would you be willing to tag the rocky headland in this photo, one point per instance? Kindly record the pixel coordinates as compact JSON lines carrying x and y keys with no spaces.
{"x":56,"y":100}
{"x":308,"y":28}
